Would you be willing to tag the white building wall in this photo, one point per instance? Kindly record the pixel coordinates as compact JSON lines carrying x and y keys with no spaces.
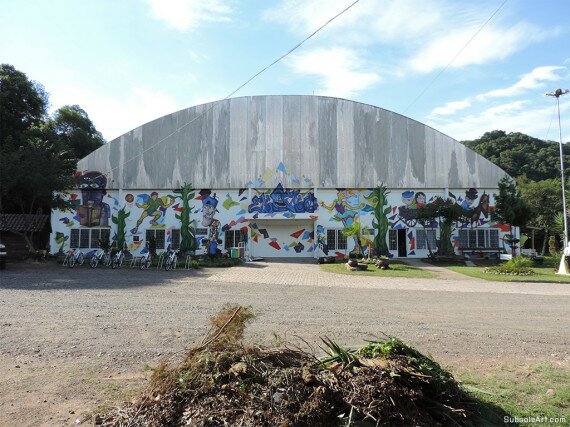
{"x":298,"y":232}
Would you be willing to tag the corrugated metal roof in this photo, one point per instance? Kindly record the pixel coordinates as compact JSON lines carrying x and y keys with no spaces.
{"x":22,"y":222}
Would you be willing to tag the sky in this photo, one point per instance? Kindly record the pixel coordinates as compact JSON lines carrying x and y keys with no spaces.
{"x":462,"y":67}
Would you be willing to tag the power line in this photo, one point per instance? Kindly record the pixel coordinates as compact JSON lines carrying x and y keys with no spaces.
{"x":236,"y":90}
{"x":454,"y":58}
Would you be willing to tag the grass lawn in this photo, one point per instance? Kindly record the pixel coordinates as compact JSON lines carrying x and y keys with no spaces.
{"x":543,"y":274}
{"x":397,"y":269}
{"x":523,"y":391}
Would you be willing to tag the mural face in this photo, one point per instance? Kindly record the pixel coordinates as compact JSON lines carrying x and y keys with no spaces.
{"x":92,"y":211}
{"x":209,"y":204}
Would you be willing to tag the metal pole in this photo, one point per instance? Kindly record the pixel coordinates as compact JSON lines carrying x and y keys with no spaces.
{"x":562,"y":174}
{"x":557,"y":94}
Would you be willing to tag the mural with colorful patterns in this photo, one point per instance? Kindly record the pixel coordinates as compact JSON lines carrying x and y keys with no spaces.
{"x":214,"y":212}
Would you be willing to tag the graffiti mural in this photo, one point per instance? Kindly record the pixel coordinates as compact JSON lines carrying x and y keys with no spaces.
{"x":92,"y":211}
{"x":153,"y":207}
{"x":378,"y":198}
{"x":346,"y":207}
{"x":283,"y":200}
{"x":475,"y":214}
{"x":209,"y":205}
{"x":187,"y":238}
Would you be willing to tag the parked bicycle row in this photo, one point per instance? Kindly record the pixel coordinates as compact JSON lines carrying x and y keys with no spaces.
{"x":114,"y":258}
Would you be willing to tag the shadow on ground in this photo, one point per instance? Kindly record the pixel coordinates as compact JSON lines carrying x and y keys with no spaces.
{"x":52,"y":276}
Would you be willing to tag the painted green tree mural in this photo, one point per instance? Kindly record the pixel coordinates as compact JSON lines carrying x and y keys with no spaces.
{"x":120,"y":221}
{"x":379,"y":199}
{"x":187,"y":233}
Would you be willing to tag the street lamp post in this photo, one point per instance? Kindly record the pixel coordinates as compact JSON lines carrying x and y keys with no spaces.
{"x":557,"y":94}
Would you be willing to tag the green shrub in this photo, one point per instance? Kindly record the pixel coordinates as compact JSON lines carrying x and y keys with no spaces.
{"x":553,"y":260}
{"x":518,"y":262}
{"x":518,"y":266}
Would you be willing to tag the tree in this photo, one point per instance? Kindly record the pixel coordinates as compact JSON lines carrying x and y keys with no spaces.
{"x":357,"y":231}
{"x":520,"y":154}
{"x":76,"y":131}
{"x":36,"y":161}
{"x":23,"y":104}
{"x":427,"y":215}
{"x":510,"y":208}
{"x":544,"y":200}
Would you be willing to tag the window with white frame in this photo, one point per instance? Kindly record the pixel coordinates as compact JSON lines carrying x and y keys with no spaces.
{"x":233,"y":238}
{"x":88,"y":238}
{"x":423,"y":237}
{"x":479,"y":238}
{"x":335,"y":239}
{"x":158,"y":235}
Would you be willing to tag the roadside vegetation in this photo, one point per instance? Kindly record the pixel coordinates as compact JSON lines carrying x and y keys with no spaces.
{"x":223,"y":381}
{"x":541,"y":390}
{"x":397,"y":269}
{"x":516,"y":270}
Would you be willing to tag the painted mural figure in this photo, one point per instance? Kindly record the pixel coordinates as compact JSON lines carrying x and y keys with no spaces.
{"x":470,"y":197}
{"x":322,"y":240}
{"x":407,"y":213}
{"x":93,"y":211}
{"x":209,"y":204}
{"x":408,"y":199}
{"x":154,"y":207}
{"x":420,"y":199}
{"x":346,"y":207}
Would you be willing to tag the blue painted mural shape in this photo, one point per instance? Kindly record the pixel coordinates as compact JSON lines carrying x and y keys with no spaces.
{"x":283,"y":200}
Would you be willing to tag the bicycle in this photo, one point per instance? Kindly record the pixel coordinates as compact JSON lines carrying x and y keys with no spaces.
{"x":101,"y":257}
{"x":76,"y":258}
{"x":118,"y":259}
{"x":146,"y":260}
{"x":171,"y":259}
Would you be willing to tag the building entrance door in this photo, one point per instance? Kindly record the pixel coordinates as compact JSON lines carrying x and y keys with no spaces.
{"x":402,"y":245}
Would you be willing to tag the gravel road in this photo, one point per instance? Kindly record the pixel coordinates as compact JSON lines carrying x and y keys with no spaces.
{"x":73,"y":340}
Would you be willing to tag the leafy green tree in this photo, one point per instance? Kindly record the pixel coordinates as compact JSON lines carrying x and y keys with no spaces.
{"x":73,"y":127}
{"x":357,"y":231}
{"x":544,"y":200}
{"x":23,"y":104}
{"x":520,"y":154}
{"x":36,"y":162}
{"x":510,"y":208}
{"x":426,"y":216}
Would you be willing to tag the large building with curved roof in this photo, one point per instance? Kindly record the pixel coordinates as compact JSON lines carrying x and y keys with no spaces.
{"x":282,"y":176}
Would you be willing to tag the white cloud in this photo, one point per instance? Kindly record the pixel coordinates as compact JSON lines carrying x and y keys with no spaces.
{"x":492,"y":43}
{"x":517,"y":116}
{"x":397,"y":20}
{"x":340,"y":71}
{"x":451,"y":107}
{"x":187,"y":14}
{"x":533,"y":80}
{"x":115,"y":115}
{"x":421,"y":35}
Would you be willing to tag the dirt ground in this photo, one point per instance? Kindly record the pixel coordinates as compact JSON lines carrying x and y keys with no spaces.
{"x":73,"y":341}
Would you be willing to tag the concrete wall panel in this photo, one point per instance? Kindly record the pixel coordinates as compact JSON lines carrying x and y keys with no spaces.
{"x":321,"y":141}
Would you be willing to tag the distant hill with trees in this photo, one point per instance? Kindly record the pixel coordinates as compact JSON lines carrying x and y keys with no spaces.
{"x":519,"y":154}
{"x":535,"y":164}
